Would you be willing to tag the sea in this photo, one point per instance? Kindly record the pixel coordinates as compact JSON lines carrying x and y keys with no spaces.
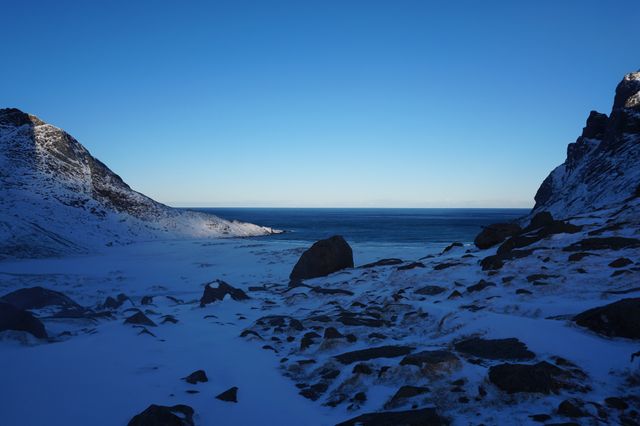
{"x":424,"y":229}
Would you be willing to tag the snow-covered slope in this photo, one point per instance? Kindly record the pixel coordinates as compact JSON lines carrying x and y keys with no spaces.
{"x":601,"y":170}
{"x":56,"y":198}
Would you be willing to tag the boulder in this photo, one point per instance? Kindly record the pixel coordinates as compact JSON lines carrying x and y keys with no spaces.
{"x":13,"y":318}
{"x":507,"y":349}
{"x":159,"y":415}
{"x":621,"y":263}
{"x":198,"y":376}
{"x":39,"y":297}
{"x":230,"y":395}
{"x":421,"y":417}
{"x":533,"y":378}
{"x":383,"y":262}
{"x":323,"y":258}
{"x":495,"y":234}
{"x":390,"y":351}
{"x":139,"y":319}
{"x":604,"y":243}
{"x":213,"y":294}
{"x":482,"y":284}
{"x":430,"y":290}
{"x":618,"y":319}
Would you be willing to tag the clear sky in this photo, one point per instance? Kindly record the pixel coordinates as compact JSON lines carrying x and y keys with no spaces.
{"x":321,"y":103}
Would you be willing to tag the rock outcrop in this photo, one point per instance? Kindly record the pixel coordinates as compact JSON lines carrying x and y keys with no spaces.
{"x":600,"y":171}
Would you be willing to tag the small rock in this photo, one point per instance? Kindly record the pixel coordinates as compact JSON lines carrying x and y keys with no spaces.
{"x":198,"y":376}
{"x":230,"y":395}
{"x":621,"y":262}
{"x":213,"y":294}
{"x":139,"y":319}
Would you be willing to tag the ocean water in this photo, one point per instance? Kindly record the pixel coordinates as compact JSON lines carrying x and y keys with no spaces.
{"x":408,"y":227}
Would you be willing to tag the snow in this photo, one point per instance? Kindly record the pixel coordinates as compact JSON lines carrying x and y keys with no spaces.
{"x":104,"y":373}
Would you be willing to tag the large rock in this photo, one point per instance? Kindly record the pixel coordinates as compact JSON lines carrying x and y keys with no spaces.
{"x":495,"y":234}
{"x":532,"y":378}
{"x":323,"y":258}
{"x":618,"y":319}
{"x":391,"y":351}
{"x":159,"y":415}
{"x":507,"y":349}
{"x":213,"y":294}
{"x":39,"y":297}
{"x":421,"y":417}
{"x":13,"y":318}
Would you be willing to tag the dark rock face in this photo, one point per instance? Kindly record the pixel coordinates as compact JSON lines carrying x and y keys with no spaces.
{"x":373,"y":353}
{"x":482,"y":284}
{"x":605,"y":243}
{"x":13,"y":318}
{"x":39,"y":297}
{"x":533,"y":378}
{"x":159,"y":415}
{"x":230,"y":395}
{"x":383,"y":262}
{"x":139,"y":319}
{"x":212,"y":294}
{"x":621,"y":262}
{"x":618,"y":319}
{"x":430,"y":290}
{"x":323,"y":258}
{"x":540,"y":220}
{"x":198,"y":376}
{"x":421,"y":417}
{"x":495,"y":234}
{"x":510,"y":349}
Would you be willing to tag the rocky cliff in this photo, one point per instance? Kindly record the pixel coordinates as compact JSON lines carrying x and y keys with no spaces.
{"x":601,"y":171}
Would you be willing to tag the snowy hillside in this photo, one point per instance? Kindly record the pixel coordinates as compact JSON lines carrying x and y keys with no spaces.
{"x":55,"y":198}
{"x":601,"y":170}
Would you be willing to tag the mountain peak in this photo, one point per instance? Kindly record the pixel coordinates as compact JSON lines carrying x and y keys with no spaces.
{"x":15,"y":117}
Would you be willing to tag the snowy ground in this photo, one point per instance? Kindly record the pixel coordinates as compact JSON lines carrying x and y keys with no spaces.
{"x":104,"y":372}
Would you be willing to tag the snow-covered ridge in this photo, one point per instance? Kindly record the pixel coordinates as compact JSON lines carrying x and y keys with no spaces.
{"x":56,"y":198}
{"x":601,"y":170}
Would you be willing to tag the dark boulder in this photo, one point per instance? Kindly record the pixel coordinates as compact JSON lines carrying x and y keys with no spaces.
{"x":230,"y":395}
{"x":139,"y":319}
{"x":430,"y":290}
{"x":533,"y":378}
{"x":604,"y":243}
{"x":159,"y":415}
{"x":39,"y":297}
{"x":213,"y":294}
{"x":495,"y":234}
{"x":390,"y":351}
{"x":540,"y":220}
{"x":506,"y":349}
{"x":482,"y":284}
{"x":421,"y":417}
{"x":621,"y":263}
{"x":13,"y":318}
{"x":572,"y":408}
{"x":383,"y":262}
{"x":618,"y":319}
{"x":198,"y":376}
{"x":114,"y":303}
{"x":323,"y":258}
{"x":411,"y":265}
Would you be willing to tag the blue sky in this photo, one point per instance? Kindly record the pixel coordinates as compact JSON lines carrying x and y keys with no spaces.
{"x":321,"y":103}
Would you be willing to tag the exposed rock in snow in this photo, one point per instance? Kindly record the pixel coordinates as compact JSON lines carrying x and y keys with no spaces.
{"x":57,"y":199}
